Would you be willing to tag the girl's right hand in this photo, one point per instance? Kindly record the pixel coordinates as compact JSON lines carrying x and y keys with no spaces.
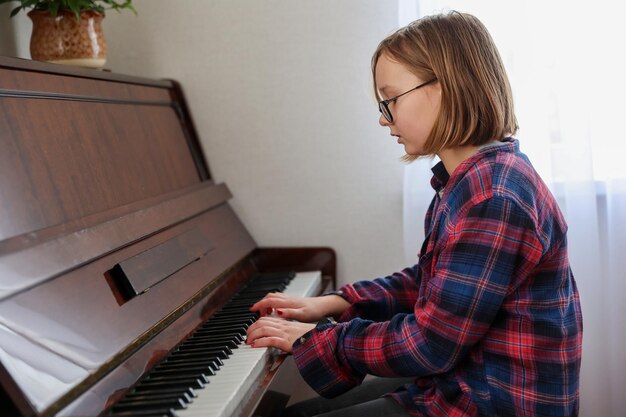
{"x":304,"y":309}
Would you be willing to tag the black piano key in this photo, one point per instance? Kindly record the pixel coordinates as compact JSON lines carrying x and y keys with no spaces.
{"x":250,"y":297}
{"x":238,"y":318}
{"x":181,"y":362}
{"x":225,"y":323}
{"x":147,"y":413}
{"x":212,"y":363}
{"x":209,"y":360}
{"x":230,"y":321}
{"x":183,"y":356}
{"x":234,"y":304}
{"x":175,"y":378}
{"x":188,"y":383}
{"x":191,"y":351}
{"x":209,"y":344}
{"x":213,"y":341}
{"x":223,"y":332}
{"x":200,"y":335}
{"x":153,"y":404}
{"x":182,"y":391}
{"x":241,"y":305}
{"x":218,"y":351}
{"x":188,"y":370}
{"x":185,"y":397}
{"x":237,"y":305}
{"x":234,"y":314}
{"x":207,"y":349}
{"x":179,"y":354}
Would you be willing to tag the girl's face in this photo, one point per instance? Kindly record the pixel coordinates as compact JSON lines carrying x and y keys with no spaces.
{"x":414,"y":113}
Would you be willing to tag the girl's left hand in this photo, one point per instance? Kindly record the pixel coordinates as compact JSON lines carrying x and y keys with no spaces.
{"x":275,"y":332}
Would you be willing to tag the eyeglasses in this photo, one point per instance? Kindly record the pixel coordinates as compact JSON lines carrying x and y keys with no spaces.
{"x":383,"y":106}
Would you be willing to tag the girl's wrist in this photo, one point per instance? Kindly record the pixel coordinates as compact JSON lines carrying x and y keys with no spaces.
{"x":334,"y":305}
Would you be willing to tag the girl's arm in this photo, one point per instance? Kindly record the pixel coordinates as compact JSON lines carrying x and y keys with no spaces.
{"x":381,"y":298}
{"x":495,"y":243}
{"x":376,"y":300}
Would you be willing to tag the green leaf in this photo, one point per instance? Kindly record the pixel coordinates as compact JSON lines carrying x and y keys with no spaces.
{"x":15,"y":11}
{"x":75,"y":6}
{"x":54,"y":9}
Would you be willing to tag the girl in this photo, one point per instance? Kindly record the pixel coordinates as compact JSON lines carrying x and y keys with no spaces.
{"x":488,"y":321}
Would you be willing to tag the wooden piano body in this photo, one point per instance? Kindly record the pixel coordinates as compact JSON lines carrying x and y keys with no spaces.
{"x":115,"y":243}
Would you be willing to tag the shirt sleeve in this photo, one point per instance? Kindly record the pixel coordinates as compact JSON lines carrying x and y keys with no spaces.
{"x":490,"y":247}
{"x":381,"y":298}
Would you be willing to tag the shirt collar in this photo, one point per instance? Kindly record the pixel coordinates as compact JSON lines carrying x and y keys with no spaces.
{"x":441,"y":177}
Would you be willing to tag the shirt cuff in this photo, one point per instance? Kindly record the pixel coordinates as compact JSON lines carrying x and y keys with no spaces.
{"x":316,"y":354}
{"x":350,"y":294}
{"x":319,"y":328}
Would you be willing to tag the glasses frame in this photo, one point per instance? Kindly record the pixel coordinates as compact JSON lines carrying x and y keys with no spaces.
{"x":383,"y":106}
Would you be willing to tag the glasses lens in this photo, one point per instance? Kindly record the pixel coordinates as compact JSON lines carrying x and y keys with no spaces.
{"x":382,"y":107}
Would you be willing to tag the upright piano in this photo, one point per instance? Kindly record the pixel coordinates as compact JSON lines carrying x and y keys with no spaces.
{"x":125,"y":276}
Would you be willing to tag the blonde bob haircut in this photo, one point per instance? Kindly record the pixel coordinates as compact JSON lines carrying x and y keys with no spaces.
{"x":457,"y":50}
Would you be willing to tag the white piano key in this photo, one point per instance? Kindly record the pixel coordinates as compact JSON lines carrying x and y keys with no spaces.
{"x":228,"y":387}
{"x":305,"y":284}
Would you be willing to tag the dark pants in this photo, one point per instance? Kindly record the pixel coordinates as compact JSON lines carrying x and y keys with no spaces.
{"x":362,"y":401}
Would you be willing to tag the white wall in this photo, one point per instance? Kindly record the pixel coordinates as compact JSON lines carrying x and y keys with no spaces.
{"x":280,"y":94}
{"x":280,"y":91}
{"x":7,"y":36}
{"x":14,"y":33}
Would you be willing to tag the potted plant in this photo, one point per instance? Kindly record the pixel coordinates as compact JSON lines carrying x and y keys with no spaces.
{"x":68,"y":31}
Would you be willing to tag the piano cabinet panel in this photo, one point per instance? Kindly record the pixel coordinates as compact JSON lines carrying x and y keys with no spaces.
{"x":78,"y":317}
{"x":79,"y":84}
{"x":45,"y":374}
{"x":31,"y":260}
{"x":60,"y":169}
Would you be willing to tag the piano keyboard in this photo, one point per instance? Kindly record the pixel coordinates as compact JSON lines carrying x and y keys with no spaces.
{"x":210,"y":373}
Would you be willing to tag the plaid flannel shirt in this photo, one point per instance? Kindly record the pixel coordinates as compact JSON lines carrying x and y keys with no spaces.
{"x":488,"y":321}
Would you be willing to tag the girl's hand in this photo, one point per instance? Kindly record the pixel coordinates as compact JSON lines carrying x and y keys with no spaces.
{"x":304,"y":309}
{"x":275,"y":332}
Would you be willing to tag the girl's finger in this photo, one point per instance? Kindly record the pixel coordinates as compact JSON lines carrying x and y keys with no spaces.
{"x":276,"y":342}
{"x":265,"y":322}
{"x":288,"y":313}
{"x":263,"y":331}
{"x":273,"y":303}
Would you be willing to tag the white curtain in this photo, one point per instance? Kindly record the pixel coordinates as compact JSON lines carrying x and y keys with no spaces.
{"x":566,"y":63}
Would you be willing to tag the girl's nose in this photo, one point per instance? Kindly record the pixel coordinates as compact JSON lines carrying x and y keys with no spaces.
{"x":382,"y":120}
